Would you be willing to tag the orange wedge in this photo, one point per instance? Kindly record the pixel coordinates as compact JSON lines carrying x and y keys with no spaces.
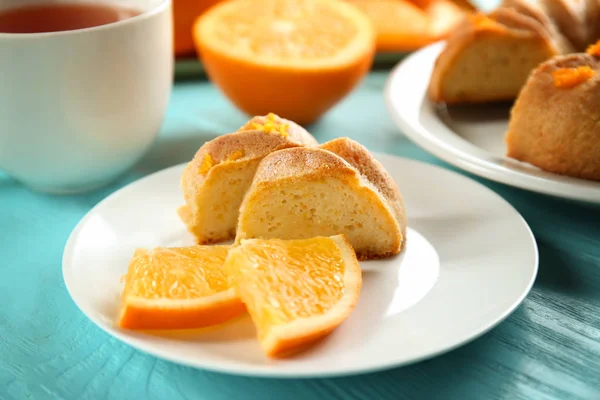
{"x":445,"y":15}
{"x":296,"y":291}
{"x":400,"y":25}
{"x":406,"y":26}
{"x":178,"y":288}
{"x":295,"y":58}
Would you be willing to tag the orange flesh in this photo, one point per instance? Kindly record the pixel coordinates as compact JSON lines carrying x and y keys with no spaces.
{"x":282,"y":281}
{"x":178,"y":273}
{"x":288,"y":30}
{"x":178,"y":288}
{"x":565,"y":78}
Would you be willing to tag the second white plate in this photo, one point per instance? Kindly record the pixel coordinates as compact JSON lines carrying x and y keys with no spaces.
{"x":470,"y":260}
{"x":470,"y":137}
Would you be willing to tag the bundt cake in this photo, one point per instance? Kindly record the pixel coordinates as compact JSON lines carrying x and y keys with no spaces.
{"x":215,"y":181}
{"x":538,"y":10}
{"x":592,"y":20}
{"x":304,"y":192}
{"x":555,"y":121}
{"x":570,"y":17}
{"x":489,"y":57}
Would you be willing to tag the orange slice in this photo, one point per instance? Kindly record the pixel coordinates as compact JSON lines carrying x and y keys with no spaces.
{"x":400,"y":25}
{"x":405,"y":26}
{"x":296,"y":291}
{"x":295,"y":58}
{"x":446,"y":15}
{"x":178,"y":288}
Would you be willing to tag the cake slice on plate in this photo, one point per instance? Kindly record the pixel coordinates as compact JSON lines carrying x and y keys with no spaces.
{"x":489,"y":58}
{"x":215,"y":181}
{"x":300,"y":193}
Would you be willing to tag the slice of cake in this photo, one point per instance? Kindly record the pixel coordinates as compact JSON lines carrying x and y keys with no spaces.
{"x":373,"y":171}
{"x":301,"y":193}
{"x":488,"y":58}
{"x":215,"y":181}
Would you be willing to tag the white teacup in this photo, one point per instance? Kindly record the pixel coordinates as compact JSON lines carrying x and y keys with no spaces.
{"x":79,"y":107}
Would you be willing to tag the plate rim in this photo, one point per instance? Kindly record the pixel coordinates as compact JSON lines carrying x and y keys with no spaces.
{"x":569,"y":188}
{"x":243,"y":371}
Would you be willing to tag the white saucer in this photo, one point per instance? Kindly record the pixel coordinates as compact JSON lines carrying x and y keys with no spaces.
{"x":470,"y":137}
{"x":469,"y":262}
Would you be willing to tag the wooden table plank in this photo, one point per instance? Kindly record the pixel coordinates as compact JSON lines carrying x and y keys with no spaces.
{"x":548,"y":349}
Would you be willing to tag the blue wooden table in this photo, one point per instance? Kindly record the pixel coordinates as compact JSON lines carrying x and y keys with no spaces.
{"x":548,"y":349}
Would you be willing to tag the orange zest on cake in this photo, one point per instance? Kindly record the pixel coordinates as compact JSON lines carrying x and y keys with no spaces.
{"x":594,"y":49}
{"x":271,"y":124}
{"x":236,"y":155}
{"x":565,"y":78}
{"x":207,"y":164}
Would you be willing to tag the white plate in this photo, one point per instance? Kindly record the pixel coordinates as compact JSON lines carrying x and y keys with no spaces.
{"x":468,"y":137}
{"x":470,"y":260}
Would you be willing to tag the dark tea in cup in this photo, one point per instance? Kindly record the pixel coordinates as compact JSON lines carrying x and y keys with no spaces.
{"x":56,"y":17}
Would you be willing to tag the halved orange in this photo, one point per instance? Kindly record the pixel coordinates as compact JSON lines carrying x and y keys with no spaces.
{"x":184,"y":14}
{"x":178,"y":288}
{"x":296,"y":291}
{"x":295,"y":58}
